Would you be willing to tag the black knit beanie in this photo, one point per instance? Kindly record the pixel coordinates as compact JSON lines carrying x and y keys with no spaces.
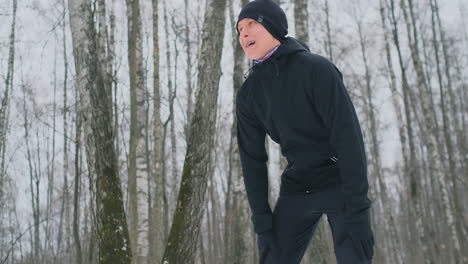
{"x":267,"y":13}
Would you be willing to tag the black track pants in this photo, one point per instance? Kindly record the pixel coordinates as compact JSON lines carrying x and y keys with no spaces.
{"x":295,"y":219}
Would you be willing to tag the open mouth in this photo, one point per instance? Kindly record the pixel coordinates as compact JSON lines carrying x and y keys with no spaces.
{"x":250,"y":44}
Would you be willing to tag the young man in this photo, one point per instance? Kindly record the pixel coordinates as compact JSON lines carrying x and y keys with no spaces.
{"x":299,"y":99}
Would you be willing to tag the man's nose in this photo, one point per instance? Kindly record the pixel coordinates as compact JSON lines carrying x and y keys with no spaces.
{"x":243,"y":36}
{"x":245,"y":32}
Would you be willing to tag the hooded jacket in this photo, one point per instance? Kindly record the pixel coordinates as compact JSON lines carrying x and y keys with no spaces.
{"x":299,"y":100}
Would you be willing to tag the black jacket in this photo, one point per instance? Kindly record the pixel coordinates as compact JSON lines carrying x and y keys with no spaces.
{"x":299,"y":100}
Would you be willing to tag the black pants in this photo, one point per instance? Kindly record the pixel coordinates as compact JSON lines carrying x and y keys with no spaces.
{"x":295,"y":219}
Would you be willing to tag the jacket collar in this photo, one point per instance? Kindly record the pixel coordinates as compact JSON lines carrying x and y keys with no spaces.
{"x":288,"y":47}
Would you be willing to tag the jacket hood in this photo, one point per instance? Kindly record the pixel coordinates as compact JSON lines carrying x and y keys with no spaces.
{"x":291,"y":46}
{"x":288,"y":47}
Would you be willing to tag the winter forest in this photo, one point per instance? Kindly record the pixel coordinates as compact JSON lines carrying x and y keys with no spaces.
{"x":118,"y":133}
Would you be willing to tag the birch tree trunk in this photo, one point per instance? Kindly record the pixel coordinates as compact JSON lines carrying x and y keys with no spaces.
{"x":171,"y":97}
{"x":453,"y":106}
{"x":188,"y":72}
{"x":76,"y":196}
{"x":138,"y":174}
{"x":5,"y":105}
{"x":51,"y":166}
{"x":201,"y":250}
{"x":113,"y":241}
{"x":113,"y":79}
{"x":215,"y":210}
{"x":157,"y":227}
{"x":328,"y":43}
{"x":209,"y":233}
{"x":236,"y":218}
{"x":411,"y":169}
{"x":33,"y":179}
{"x":80,"y":16}
{"x":394,"y":239}
{"x":185,"y":230}
{"x":172,"y":91}
{"x":106,"y":48}
{"x":383,"y":252}
{"x":301,"y":20}
{"x":434,"y":161}
{"x":4,"y":120}
{"x":376,"y":167}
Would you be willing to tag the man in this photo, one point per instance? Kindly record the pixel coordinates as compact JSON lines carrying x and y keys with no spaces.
{"x":299,"y":100}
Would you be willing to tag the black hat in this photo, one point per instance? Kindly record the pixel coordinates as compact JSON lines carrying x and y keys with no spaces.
{"x":267,"y":13}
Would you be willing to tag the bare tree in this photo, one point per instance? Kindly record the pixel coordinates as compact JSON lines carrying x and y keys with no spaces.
{"x":171,"y":86}
{"x":329,"y":46}
{"x":76,"y":196}
{"x":301,"y":20}
{"x":380,"y":193}
{"x":429,"y":122}
{"x":236,"y":216}
{"x":5,"y":104}
{"x":113,"y":242}
{"x":138,"y":174}
{"x":188,"y":72}
{"x":34,"y":181}
{"x":447,"y":105}
{"x":183,"y":238}
{"x":389,"y":216}
{"x":157,"y":227}
{"x":412,"y":168}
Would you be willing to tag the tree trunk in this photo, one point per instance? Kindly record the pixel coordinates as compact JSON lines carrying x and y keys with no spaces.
{"x":172,"y":95}
{"x":201,"y":251}
{"x":434,"y":158}
{"x":447,"y":131}
{"x":185,"y":229}
{"x":51,"y":166}
{"x":394,"y":239}
{"x":33,"y":177}
{"x":76,"y":196}
{"x":210,"y":230}
{"x":113,"y":80}
{"x":376,"y":167}
{"x":188,"y":72}
{"x":138,"y":174}
{"x":105,"y":58}
{"x":80,"y":16}
{"x":301,"y":20}
{"x":412,"y":169}
{"x":157,"y":227}
{"x":5,"y":106}
{"x":328,"y":44}
{"x":236,"y":219}
{"x":113,"y":242}
{"x":217,"y":242}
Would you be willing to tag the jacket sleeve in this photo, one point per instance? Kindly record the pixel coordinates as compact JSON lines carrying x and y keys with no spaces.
{"x":253,"y":156}
{"x":334,"y":106}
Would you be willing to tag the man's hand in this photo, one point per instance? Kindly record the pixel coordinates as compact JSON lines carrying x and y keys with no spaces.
{"x":267,"y":243}
{"x":358,"y":231}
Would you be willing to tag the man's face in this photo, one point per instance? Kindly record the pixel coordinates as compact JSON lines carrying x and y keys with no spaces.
{"x":255,"y":40}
